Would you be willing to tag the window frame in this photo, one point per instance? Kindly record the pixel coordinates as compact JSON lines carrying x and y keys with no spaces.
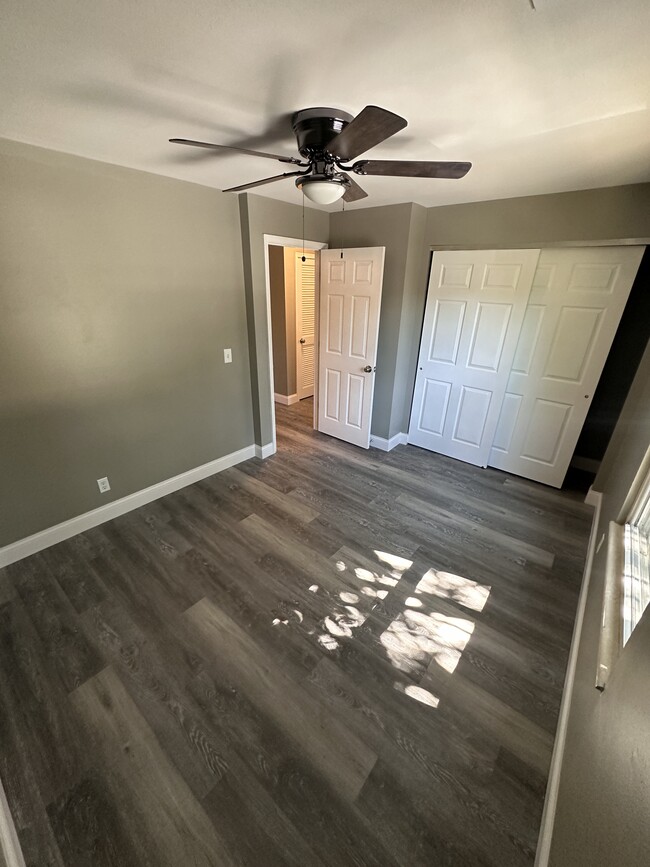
{"x":627,"y":578}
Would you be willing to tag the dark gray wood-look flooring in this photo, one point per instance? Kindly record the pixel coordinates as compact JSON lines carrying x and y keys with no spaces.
{"x":332,"y":657}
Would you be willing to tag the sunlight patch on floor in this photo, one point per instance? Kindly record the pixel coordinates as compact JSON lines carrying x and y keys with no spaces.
{"x":352,"y":607}
{"x":418,"y":693}
{"x":415,"y":638}
{"x":327,"y":641}
{"x":412,"y":602}
{"x":397,"y":564}
{"x":348,"y":598}
{"x":445,"y":585}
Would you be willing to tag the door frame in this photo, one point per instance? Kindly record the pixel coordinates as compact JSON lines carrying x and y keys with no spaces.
{"x":281,"y":241}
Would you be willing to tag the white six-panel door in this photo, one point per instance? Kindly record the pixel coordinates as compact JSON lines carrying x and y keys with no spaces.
{"x":475,"y":307}
{"x":350,"y":298}
{"x":575,"y":305}
{"x":305,"y":319}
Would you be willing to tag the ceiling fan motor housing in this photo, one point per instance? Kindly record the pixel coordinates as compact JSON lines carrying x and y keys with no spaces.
{"x":316,"y":127}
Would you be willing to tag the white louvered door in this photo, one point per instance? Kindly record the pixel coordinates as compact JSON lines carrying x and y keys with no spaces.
{"x":350,"y":298}
{"x":475,"y":306}
{"x":305,"y":321}
{"x":575,"y":306}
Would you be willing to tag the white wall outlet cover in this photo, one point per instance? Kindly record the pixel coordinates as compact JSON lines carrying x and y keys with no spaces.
{"x":103,"y":485}
{"x":227,"y":356}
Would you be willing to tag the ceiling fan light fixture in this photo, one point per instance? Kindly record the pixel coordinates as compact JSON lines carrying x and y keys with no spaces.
{"x":322,"y":190}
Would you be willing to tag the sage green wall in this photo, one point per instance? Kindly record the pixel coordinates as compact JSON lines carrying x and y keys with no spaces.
{"x":389,"y":227}
{"x":278,"y":319}
{"x":609,"y":214}
{"x":260,"y":216}
{"x":118,"y":292}
{"x":602,"y":809}
{"x":415,"y":283}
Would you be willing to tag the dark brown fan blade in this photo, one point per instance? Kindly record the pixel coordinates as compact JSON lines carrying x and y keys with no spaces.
{"x":369,"y":128}
{"x":411,"y":169}
{"x":260,"y":183}
{"x":217,"y":147}
{"x":353,"y":192}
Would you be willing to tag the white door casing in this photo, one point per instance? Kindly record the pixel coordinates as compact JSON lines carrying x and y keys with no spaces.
{"x":350,"y":300}
{"x":475,"y":307}
{"x":575,"y":305}
{"x":305,"y":294}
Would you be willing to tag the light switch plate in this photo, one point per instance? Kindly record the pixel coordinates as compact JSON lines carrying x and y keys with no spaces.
{"x":227,"y":356}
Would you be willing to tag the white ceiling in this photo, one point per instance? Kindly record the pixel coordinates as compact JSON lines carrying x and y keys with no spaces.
{"x":540,"y":101}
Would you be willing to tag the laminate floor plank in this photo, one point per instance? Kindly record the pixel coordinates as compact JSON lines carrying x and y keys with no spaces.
{"x":172,"y":826}
{"x":74,"y":576}
{"x":7,"y":589}
{"x":258,"y":496}
{"x":409,"y":839}
{"x":330,"y":657}
{"x":330,"y":826}
{"x":146,"y":672}
{"x":89,"y":827}
{"x":527,"y":521}
{"x":35,"y":709}
{"x":56,"y":623}
{"x":341,"y":758}
{"x":530,"y":553}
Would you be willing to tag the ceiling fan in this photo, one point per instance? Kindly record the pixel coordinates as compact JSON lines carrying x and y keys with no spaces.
{"x":327,"y":139}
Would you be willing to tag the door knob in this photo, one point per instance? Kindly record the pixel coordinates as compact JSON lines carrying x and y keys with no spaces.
{"x":302,"y":340}
{"x":368,"y":369}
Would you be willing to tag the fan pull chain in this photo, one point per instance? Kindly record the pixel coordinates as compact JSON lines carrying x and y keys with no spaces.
{"x":303,"y":226}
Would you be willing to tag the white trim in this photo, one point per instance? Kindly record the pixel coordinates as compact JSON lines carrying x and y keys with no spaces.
{"x":278,"y":241}
{"x":387,"y":445}
{"x":9,"y":843}
{"x":285,"y":399}
{"x":265,"y":451}
{"x":32,"y":544}
{"x":593,"y":498}
{"x":634,"y":494}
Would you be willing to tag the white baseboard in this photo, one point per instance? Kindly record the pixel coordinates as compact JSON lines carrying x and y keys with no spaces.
{"x":265,"y":451}
{"x":593,"y":498}
{"x":32,"y":544}
{"x":386,"y":445}
{"x":9,"y":843}
{"x":286,"y":400}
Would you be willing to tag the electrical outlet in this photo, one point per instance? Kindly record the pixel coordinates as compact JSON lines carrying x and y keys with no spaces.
{"x":227,"y":356}
{"x":103,"y":485}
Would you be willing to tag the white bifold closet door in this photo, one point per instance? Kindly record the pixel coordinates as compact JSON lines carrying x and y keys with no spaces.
{"x":575,"y":306}
{"x":475,"y":309}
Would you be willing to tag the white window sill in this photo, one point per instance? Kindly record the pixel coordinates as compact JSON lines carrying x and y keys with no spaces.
{"x":611,"y":636}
